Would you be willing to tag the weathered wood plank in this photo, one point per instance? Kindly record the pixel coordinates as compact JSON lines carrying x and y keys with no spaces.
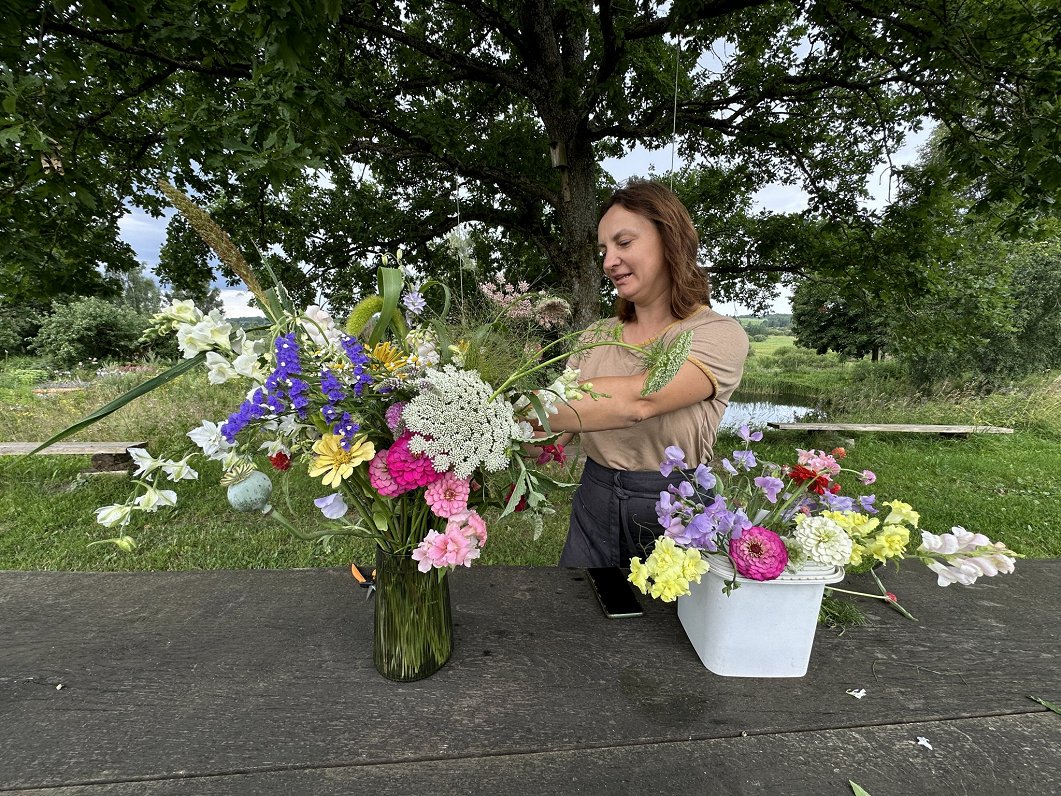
{"x":1003,"y":754}
{"x":199,"y":674}
{"x":69,"y":448}
{"x":901,"y":428}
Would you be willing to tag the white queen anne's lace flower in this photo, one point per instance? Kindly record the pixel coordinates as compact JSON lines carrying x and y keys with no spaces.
{"x":456,"y":424}
{"x":822,"y":540}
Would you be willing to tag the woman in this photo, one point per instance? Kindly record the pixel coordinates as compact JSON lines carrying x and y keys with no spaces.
{"x":649,"y":248}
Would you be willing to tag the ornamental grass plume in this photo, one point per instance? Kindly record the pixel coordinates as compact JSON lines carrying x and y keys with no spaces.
{"x":214,"y":237}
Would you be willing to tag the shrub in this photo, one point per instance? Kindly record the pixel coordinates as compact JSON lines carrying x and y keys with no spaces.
{"x":89,"y":328}
{"x":17,"y":329}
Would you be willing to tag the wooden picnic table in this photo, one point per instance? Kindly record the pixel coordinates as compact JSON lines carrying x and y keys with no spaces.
{"x":262,"y":682}
{"x":893,"y":428}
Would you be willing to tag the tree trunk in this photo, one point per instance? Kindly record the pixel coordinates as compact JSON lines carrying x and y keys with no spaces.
{"x":578,"y":232}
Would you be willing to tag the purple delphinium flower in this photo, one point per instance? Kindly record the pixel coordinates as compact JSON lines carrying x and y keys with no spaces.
{"x":746,"y":459}
{"x":770,"y":485}
{"x":673,"y":457}
{"x":746,"y":434}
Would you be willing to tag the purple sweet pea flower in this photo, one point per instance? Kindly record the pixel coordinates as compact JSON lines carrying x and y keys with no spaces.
{"x":838,"y":502}
{"x":866,"y":502}
{"x":745,"y":459}
{"x":673,"y":457}
{"x":868,"y":477}
{"x":332,"y":506}
{"x":727,"y":465}
{"x":746,"y":434}
{"x":704,"y":477}
{"x":770,"y":485}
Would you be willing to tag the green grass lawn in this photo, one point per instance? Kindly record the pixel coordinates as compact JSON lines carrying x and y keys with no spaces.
{"x":1003,"y":486}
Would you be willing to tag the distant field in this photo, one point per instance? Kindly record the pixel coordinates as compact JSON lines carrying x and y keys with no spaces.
{"x":772,"y":343}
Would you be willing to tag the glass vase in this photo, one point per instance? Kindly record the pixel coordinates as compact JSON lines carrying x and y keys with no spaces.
{"x":413,"y":625}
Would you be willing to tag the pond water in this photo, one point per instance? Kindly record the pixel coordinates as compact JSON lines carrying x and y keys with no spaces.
{"x":757,"y":412}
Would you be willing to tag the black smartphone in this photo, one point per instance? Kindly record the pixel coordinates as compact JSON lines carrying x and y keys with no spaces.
{"x":615,"y":592}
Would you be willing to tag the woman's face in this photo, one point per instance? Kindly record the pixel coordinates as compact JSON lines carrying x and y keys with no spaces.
{"x":633,"y":256}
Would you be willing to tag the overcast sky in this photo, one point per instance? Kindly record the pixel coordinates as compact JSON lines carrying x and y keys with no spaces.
{"x":146,"y":234}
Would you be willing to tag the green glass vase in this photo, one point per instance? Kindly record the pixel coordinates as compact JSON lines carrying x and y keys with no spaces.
{"x":413,"y":625}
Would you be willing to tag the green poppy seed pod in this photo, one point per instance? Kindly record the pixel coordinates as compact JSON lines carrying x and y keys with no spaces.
{"x":251,"y":492}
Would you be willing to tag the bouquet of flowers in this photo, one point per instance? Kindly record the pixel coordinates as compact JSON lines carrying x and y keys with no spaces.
{"x":412,"y":422}
{"x":768,"y":518}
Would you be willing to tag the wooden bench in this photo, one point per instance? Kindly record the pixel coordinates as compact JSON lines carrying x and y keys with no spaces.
{"x":892,"y":428}
{"x":107,"y":457}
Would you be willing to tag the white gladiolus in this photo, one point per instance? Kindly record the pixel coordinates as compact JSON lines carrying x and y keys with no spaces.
{"x":212,"y":333}
{"x":179,"y":471}
{"x":109,"y":516}
{"x":208,"y":438}
{"x":153,"y":498}
{"x":320,"y":327}
{"x":144,"y":461}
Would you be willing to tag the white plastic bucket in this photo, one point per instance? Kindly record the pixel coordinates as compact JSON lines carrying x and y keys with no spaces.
{"x":762,"y":628}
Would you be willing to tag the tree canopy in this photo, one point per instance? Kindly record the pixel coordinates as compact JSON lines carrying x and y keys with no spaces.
{"x":324,"y":133}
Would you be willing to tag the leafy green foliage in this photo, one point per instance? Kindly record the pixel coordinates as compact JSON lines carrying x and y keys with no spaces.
{"x":89,"y":329}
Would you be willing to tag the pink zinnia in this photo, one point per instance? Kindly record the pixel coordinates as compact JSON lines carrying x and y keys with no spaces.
{"x":470,"y":524}
{"x":380,"y":478}
{"x":759,"y":554}
{"x":449,"y":549}
{"x":409,"y":470}
{"x":448,"y":495}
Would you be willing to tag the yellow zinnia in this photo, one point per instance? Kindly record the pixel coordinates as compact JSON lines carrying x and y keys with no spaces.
{"x":334,"y":462}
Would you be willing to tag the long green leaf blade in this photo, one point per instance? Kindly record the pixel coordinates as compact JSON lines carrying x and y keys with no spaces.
{"x":390,"y":282}
{"x":141,"y":389}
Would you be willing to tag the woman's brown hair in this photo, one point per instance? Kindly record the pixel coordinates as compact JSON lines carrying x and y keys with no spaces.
{"x":658,"y":203}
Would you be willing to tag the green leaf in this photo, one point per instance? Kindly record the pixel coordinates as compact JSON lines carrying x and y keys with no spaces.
{"x":391,"y":282}
{"x":857,"y":789}
{"x":380,"y":520}
{"x":1045,"y":704}
{"x":141,"y":389}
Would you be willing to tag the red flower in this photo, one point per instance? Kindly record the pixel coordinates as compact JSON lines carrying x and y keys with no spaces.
{"x":522,"y":501}
{"x":552,"y":453}
{"x":280,"y":461}
{"x":799,"y":474}
{"x":892,"y":598}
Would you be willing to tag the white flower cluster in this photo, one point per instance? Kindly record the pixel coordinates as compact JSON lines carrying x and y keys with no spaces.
{"x":564,"y":388}
{"x":822,"y":540}
{"x":211,"y":333}
{"x":456,"y":424}
{"x":424,"y":347}
{"x":966,"y":556}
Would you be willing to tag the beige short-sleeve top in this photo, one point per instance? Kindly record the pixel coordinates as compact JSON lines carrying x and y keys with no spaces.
{"x":719,"y":349}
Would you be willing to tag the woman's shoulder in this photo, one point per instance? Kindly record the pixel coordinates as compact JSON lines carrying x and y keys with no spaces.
{"x":708,"y":320}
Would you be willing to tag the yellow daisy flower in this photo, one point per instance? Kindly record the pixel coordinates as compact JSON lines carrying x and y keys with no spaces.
{"x":389,"y":356}
{"x":335,"y":463}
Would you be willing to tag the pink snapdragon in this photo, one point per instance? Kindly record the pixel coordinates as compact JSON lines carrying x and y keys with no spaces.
{"x":759,"y":553}
{"x":452,"y":548}
{"x":448,"y":495}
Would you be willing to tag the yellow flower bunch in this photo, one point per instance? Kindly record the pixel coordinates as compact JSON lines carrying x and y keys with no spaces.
{"x":870,"y":538}
{"x":670,"y":568}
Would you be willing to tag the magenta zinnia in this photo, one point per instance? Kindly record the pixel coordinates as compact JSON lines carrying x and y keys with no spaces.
{"x":409,"y":470}
{"x":759,"y":554}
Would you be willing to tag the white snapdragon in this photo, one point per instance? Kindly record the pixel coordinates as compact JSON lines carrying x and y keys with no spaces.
{"x":822,"y":540}
{"x":963,"y":556}
{"x":249,"y":366}
{"x":424,"y":347}
{"x":320,"y":327}
{"x":219,"y":369}
{"x":212,"y":333}
{"x":170,"y":318}
{"x":456,"y":424}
